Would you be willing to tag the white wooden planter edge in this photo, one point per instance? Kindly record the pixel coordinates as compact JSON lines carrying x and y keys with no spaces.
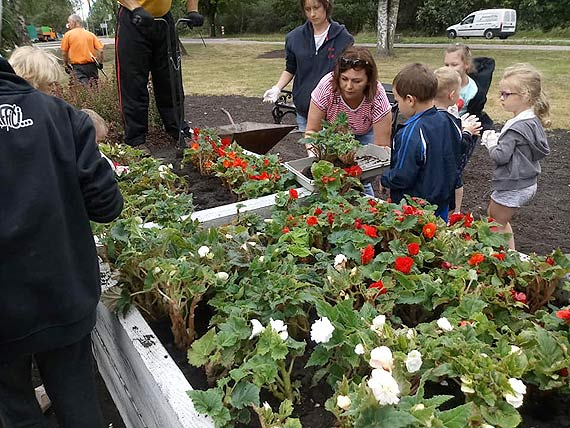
{"x":146,"y":385}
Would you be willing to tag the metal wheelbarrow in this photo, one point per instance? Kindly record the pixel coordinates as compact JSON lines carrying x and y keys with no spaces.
{"x":253,"y":136}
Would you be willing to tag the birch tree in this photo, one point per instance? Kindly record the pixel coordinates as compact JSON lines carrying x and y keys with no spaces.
{"x":387,"y":20}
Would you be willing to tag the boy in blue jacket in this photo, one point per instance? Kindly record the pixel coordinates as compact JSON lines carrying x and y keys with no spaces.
{"x":423,"y":160}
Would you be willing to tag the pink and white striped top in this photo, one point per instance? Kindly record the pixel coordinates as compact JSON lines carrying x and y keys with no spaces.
{"x":361,"y":119}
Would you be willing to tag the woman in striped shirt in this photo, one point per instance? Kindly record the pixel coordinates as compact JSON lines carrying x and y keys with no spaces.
{"x":353,"y":88}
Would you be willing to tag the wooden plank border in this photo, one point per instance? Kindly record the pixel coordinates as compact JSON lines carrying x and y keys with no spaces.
{"x":146,"y":385}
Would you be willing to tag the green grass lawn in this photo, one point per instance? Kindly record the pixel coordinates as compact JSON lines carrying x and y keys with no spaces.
{"x":238,"y":70}
{"x":520,"y":38}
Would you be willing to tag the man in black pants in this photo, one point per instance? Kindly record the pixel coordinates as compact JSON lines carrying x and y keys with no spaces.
{"x":142,"y":47}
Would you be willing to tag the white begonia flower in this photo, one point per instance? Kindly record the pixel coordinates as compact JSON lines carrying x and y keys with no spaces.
{"x":410,"y":333}
{"x":222,"y":276}
{"x":253,"y":244}
{"x":268,"y":220}
{"x":151,"y":225}
{"x":256,"y":328}
{"x":413,"y":361}
{"x":203,"y":251}
{"x":322,"y":330}
{"x":515,"y":400}
{"x":343,"y":401}
{"x":279,"y":327}
{"x":418,"y":407}
{"x":378,"y":323}
{"x":466,"y":385}
{"x":266,"y":405}
{"x":444,"y":324}
{"x":244,"y":246}
{"x":519,"y":389}
{"x":340,"y":262}
{"x":515,"y":350}
{"x":228,"y":236}
{"x":381,"y":358}
{"x":261,"y":259}
{"x":359,"y":349}
{"x":353,"y":271}
{"x":157,"y":270}
{"x":384,"y":387}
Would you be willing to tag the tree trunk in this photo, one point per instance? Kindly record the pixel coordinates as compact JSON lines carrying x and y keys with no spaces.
{"x":22,"y":37}
{"x":387,"y":20}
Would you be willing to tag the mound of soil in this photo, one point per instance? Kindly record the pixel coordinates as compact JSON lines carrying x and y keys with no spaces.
{"x":539,"y":227}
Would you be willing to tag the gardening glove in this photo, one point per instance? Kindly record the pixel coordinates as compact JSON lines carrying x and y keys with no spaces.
{"x":271,"y":95}
{"x":489,"y":139}
{"x":468,"y":118}
{"x":194,"y":19}
{"x":141,"y":18}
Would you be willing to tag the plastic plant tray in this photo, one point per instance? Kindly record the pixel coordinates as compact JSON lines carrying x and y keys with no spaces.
{"x":372,"y":159}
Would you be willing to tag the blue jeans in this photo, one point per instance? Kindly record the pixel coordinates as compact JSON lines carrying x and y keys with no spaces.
{"x":365,"y":139}
{"x":301,"y":122}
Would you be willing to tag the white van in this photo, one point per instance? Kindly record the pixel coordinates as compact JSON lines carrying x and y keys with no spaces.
{"x":486,"y":23}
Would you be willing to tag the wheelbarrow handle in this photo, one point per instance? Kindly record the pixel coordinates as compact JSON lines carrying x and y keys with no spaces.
{"x":229,"y":115}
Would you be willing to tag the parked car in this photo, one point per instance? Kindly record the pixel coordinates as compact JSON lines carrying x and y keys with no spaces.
{"x":486,"y":23}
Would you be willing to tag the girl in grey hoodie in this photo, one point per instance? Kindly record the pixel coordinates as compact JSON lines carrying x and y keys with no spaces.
{"x":521,"y":144}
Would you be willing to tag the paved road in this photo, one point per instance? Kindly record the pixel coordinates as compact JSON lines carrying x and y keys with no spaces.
{"x":493,"y":46}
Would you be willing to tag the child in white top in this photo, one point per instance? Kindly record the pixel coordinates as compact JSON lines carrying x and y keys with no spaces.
{"x":517,"y":149}
{"x":458,"y":56}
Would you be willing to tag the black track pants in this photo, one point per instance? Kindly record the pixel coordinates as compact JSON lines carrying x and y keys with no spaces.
{"x":67,"y":374}
{"x":138,"y":52}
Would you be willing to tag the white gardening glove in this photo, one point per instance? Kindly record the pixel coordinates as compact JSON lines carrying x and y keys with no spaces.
{"x":469,"y":118}
{"x":489,"y":139}
{"x":454,"y":110}
{"x":271,"y":95}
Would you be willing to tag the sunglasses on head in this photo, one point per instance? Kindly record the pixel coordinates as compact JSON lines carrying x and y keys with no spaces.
{"x":352,"y":63}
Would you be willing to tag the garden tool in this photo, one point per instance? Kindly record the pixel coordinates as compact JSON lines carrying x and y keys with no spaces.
{"x":99,"y":65}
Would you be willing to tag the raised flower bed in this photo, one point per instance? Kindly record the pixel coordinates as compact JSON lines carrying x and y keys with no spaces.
{"x":379,"y":301}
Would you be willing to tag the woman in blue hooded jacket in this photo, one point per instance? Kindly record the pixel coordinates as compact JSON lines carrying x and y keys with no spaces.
{"x":311,"y":51}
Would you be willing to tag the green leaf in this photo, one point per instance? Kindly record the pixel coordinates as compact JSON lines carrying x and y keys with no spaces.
{"x":319,"y":357}
{"x":504,"y":416}
{"x":456,"y":417}
{"x":384,"y":417}
{"x":245,"y":394}
{"x":199,"y":353}
{"x":209,"y":403}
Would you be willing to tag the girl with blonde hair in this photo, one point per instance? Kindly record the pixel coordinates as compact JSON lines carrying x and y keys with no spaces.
{"x":40,"y":68}
{"x":521,"y":144}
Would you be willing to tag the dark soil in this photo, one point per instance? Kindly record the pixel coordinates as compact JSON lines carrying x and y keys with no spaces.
{"x":539,"y":227}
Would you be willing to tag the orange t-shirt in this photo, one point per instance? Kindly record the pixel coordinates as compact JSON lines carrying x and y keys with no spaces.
{"x":80,"y":44}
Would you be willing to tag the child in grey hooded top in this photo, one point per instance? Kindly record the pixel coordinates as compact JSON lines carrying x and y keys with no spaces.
{"x":521,"y":144}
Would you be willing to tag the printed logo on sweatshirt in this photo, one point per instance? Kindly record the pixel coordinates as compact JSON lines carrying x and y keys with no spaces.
{"x":11,"y":117}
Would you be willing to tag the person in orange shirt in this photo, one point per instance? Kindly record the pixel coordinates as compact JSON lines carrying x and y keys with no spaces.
{"x":144,"y":28}
{"x":82,"y":51}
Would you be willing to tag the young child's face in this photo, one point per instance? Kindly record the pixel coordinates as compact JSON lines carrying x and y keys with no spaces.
{"x":454,"y":94}
{"x":511,"y":98}
{"x":405,"y":104}
{"x":455,"y":61}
